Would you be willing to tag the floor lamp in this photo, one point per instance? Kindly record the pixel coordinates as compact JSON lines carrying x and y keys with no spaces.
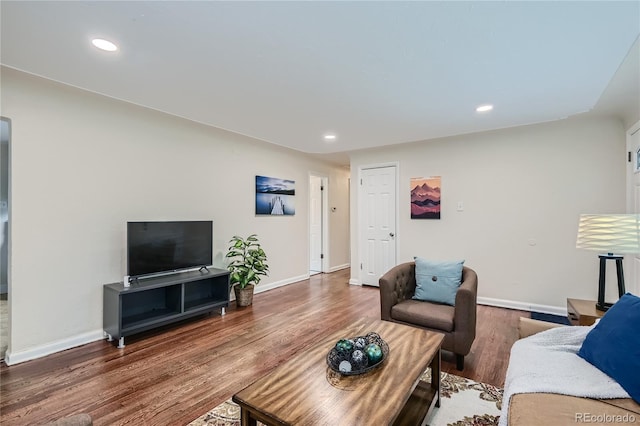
{"x":609,"y":233}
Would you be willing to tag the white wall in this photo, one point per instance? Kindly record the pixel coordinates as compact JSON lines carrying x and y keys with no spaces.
{"x":523,"y":190}
{"x":83,"y":165}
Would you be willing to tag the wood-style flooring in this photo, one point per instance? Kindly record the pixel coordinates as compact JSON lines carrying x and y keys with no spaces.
{"x":173,"y":375}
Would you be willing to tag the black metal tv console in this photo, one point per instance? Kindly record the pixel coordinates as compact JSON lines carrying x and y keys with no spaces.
{"x":158,"y":301}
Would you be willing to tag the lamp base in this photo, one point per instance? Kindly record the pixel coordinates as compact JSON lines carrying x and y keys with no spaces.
{"x":601,"y":305}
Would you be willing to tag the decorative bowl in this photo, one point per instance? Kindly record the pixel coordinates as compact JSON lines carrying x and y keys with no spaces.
{"x":358,"y":363}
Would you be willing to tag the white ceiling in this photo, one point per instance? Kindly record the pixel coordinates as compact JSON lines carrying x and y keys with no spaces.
{"x":374,"y":73}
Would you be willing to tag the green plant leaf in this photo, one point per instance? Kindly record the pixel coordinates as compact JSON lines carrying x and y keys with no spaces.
{"x":247,"y":261}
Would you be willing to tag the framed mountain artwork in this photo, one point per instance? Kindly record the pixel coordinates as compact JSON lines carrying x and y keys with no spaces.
{"x":425,"y":197}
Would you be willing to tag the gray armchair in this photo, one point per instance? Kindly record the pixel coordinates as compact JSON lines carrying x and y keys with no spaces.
{"x":457,"y":323}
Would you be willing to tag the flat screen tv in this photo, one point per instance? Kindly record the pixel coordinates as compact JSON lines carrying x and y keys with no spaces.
{"x":158,"y":247}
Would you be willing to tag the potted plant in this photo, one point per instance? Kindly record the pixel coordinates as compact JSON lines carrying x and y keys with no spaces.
{"x":248,"y":264}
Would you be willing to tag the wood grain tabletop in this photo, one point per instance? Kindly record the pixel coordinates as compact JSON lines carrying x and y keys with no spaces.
{"x":305,"y":391}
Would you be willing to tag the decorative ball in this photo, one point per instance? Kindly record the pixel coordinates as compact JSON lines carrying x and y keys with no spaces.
{"x":360,"y":343}
{"x":373,"y":337}
{"x":358,"y":359}
{"x":344,"y":346}
{"x":374,"y":353}
{"x":345,"y":367}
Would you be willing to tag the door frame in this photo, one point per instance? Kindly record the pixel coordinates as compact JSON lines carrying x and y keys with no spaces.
{"x":4,"y":288}
{"x":9,"y":242}
{"x":324,"y":265}
{"x":633,"y":273}
{"x":360,"y":196}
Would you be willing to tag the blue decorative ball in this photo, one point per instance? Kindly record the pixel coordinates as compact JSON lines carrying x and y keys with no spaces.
{"x":344,"y":346}
{"x":374,"y":353}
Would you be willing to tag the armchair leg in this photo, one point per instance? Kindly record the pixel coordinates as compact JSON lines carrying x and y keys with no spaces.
{"x":460,"y":362}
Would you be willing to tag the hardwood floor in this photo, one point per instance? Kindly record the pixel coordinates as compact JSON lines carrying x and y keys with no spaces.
{"x":173,"y":375}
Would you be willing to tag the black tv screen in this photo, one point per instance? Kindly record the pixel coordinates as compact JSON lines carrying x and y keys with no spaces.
{"x":155,"y":247}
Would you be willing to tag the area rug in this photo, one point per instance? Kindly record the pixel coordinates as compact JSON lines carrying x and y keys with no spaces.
{"x":556,"y":319}
{"x":463,"y":402}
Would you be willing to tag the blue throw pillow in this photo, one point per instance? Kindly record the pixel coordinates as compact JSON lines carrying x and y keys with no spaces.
{"x":437,"y":281}
{"x":613,"y":346}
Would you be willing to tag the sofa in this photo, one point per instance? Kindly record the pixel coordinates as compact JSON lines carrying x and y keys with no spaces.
{"x":534,"y":409}
{"x":457,"y":323}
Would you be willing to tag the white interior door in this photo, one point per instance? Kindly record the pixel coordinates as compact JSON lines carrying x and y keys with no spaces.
{"x":378,"y":205}
{"x":634,"y":205}
{"x":315,"y":224}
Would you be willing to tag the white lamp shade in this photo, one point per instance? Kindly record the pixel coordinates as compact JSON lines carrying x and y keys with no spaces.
{"x":611,"y":233}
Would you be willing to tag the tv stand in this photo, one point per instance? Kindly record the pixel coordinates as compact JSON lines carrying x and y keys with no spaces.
{"x":158,"y":301}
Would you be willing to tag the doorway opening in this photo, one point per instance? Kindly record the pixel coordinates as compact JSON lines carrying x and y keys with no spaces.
{"x":633,"y":201}
{"x":318,"y":229}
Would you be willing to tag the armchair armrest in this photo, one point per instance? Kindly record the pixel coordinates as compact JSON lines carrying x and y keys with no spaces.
{"x":466,"y":305}
{"x":398,"y":284}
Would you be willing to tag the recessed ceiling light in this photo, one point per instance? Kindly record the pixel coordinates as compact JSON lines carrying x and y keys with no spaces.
{"x":484,"y":108}
{"x":330,"y":137}
{"x":104,"y":44}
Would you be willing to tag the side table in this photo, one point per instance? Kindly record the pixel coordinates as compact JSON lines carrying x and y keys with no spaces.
{"x":582,"y":312}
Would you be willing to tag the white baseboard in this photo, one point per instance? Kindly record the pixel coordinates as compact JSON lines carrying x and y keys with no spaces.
{"x":339,"y":267}
{"x":264,"y":287}
{"x":12,"y":358}
{"x":523,"y":306}
{"x":260,"y":288}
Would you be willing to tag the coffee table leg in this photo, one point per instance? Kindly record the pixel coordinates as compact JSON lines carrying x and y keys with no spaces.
{"x":435,"y":376}
{"x":246,"y":419}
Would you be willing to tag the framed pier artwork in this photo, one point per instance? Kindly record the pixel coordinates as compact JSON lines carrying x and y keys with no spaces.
{"x":275,"y":196}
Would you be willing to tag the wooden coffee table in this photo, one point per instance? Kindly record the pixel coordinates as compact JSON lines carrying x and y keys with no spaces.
{"x":305,"y":391}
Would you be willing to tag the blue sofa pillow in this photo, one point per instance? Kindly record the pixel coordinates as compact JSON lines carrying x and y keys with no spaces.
{"x":437,"y":281}
{"x":613,"y":346}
